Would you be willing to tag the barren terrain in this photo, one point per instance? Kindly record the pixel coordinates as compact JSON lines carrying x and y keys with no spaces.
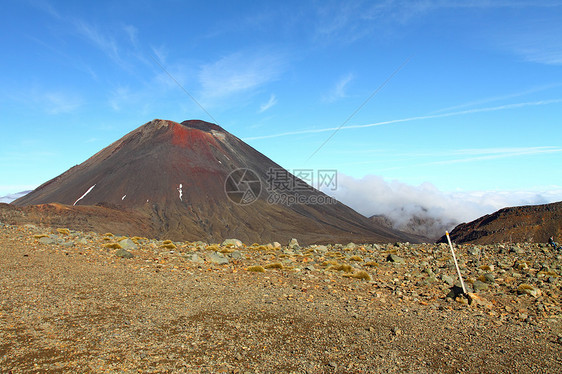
{"x":75,"y":302}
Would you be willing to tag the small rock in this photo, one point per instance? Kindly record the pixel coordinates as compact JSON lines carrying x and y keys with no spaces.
{"x":196,"y":258}
{"x":52,"y":239}
{"x":123,"y":253}
{"x":395,"y":258}
{"x":517,"y":250}
{"x":233,"y":243}
{"x":480,"y":286}
{"x":293,"y":244}
{"x":427,"y":281}
{"x":217,"y":258}
{"x":128,"y":244}
{"x":236,"y":255}
{"x":488,"y":278}
{"x":474,"y":299}
{"x":448,"y":279}
{"x":528,"y":289}
{"x":473,"y":251}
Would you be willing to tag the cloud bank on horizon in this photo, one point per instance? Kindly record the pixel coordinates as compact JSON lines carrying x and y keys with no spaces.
{"x":372,"y":195}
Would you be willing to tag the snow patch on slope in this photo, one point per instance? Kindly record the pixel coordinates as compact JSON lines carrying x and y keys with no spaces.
{"x":180,"y":191}
{"x":83,"y":196}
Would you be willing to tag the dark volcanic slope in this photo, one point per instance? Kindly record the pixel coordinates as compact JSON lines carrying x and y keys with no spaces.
{"x":533,"y":223}
{"x":174,"y":175}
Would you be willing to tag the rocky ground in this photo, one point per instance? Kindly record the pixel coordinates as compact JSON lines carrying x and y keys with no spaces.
{"x":85,"y":302}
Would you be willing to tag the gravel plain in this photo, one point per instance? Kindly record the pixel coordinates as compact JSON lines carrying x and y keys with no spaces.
{"x":86,"y":302}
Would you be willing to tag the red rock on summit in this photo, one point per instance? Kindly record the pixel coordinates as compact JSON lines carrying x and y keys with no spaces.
{"x":182,"y":181}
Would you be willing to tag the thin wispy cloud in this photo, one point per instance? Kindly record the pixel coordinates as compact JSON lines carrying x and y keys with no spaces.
{"x":51,"y":102}
{"x":492,"y":154}
{"x":270,"y":103}
{"x":58,"y":102}
{"x":445,"y":157}
{"x":339,"y":90}
{"x":104,"y":42}
{"x":498,"y":98}
{"x":132,"y":33}
{"x":238,"y":73}
{"x":47,"y":7}
{"x":410,"y":119}
{"x":353,"y":21}
{"x":543,"y":49}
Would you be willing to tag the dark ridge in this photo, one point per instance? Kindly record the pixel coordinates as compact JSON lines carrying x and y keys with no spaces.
{"x":529,"y":223}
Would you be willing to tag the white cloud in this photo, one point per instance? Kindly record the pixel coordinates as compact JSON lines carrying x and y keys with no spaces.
{"x":349,"y":22}
{"x":238,"y":73}
{"x":9,"y":193}
{"x":120,"y":96}
{"x":270,"y":103}
{"x":372,"y":195}
{"x":542,"y":49}
{"x":471,"y":155}
{"x":58,"y":102}
{"x":498,"y":98}
{"x":339,"y":90}
{"x":104,"y":42}
{"x":49,"y":101}
{"x":132,"y":33}
{"x":161,"y":53}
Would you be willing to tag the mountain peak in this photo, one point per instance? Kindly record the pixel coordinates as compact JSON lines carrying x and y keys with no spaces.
{"x":181,"y":180}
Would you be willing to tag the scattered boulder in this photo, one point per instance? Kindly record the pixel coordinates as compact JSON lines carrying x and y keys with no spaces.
{"x":217,"y":258}
{"x":528,"y":289}
{"x":49,"y":240}
{"x":480,"y":286}
{"x":123,"y":253}
{"x":236,"y":255}
{"x":488,"y":278}
{"x":475,"y":300}
{"x":82,"y":241}
{"x":195,"y":258}
{"x":448,"y":279}
{"x":128,"y":244}
{"x":294,"y":244}
{"x":232,"y":243}
{"x":395,"y":258}
{"x":473,"y":251}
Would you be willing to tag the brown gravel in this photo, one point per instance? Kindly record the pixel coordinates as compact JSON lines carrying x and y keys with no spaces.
{"x":74,"y":306}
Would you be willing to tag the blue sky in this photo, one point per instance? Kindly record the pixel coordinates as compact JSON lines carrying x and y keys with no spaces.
{"x":459,"y":98}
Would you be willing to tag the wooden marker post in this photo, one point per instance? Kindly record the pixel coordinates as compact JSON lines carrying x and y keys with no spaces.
{"x":456,"y":264}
